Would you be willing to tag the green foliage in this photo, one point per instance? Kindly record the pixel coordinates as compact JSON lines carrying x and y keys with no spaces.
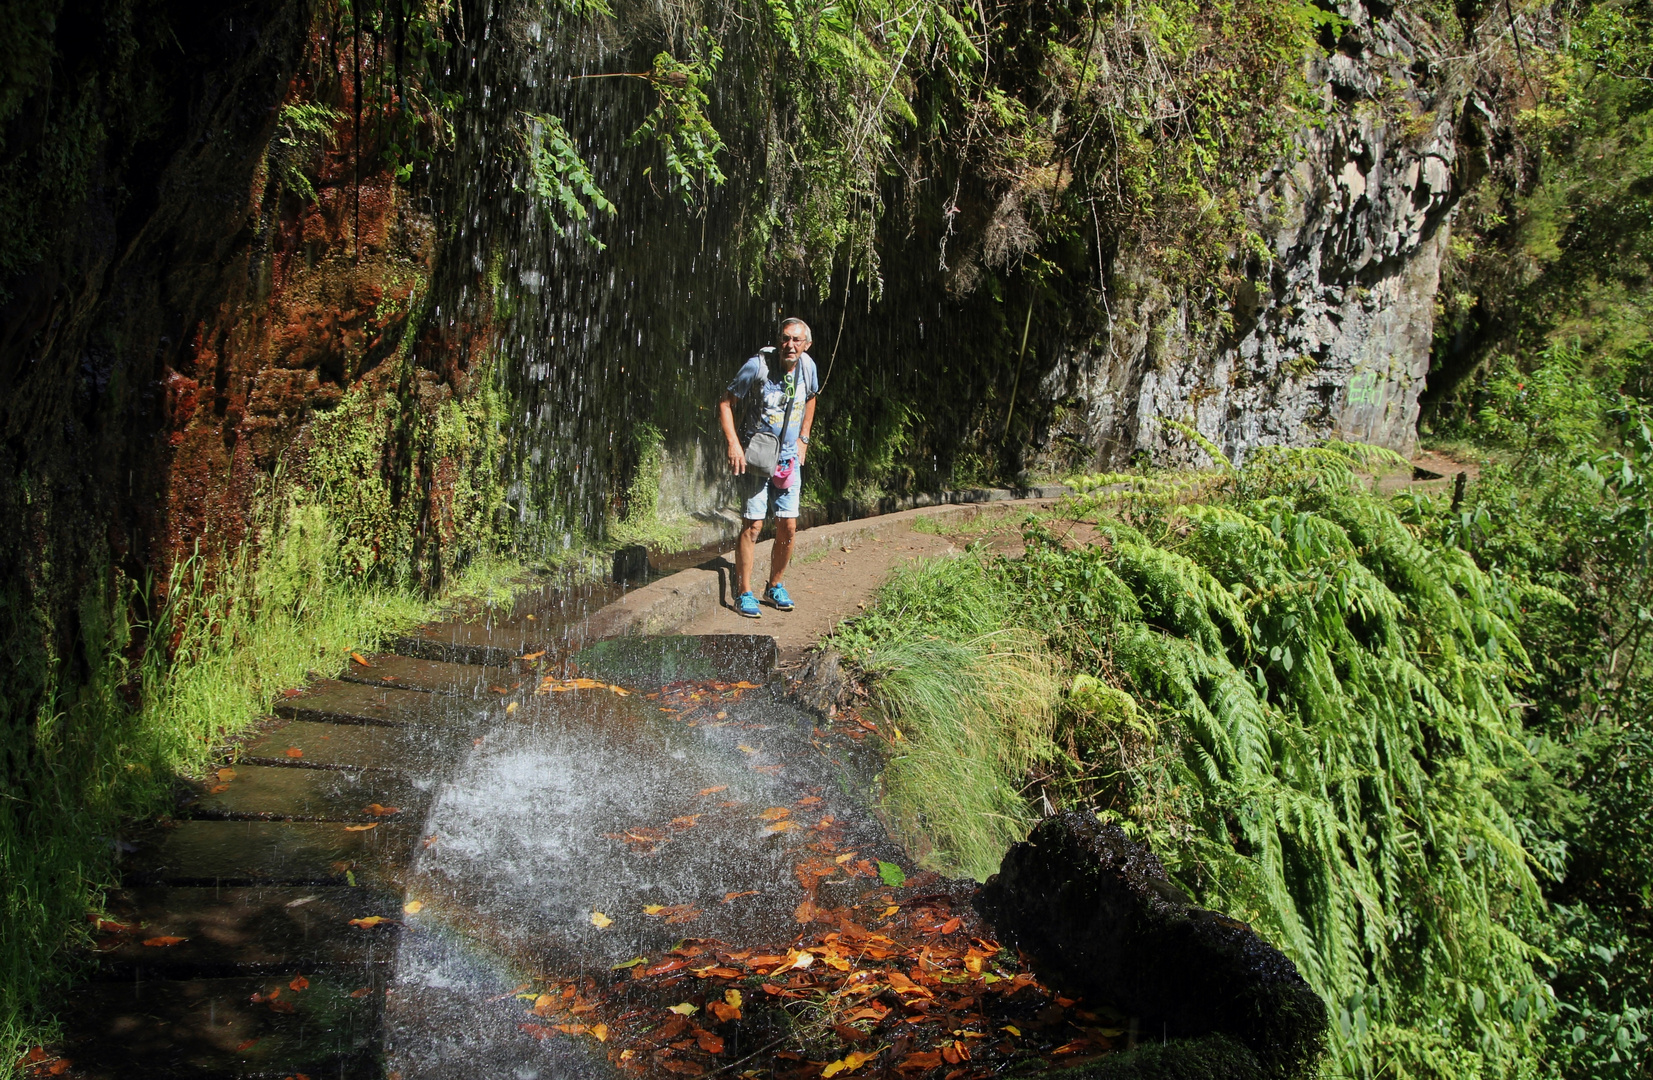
{"x":968,"y":702}
{"x":161,"y":698}
{"x":641,"y":523}
{"x":303,"y":130}
{"x":350,"y":463}
{"x":1563,"y":508}
{"x":557,"y":176}
{"x":1307,"y":711}
{"x":1557,"y":246}
{"x":678,"y":121}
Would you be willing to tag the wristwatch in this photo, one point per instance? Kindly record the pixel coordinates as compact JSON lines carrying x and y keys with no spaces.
{"x":804,"y":439}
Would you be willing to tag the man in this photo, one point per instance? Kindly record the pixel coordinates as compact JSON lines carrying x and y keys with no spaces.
{"x":778,"y":387}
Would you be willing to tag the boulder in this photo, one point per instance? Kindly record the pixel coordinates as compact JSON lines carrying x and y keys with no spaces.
{"x":1101,"y":920}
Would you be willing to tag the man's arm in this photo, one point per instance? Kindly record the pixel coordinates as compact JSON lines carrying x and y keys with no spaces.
{"x":803,"y":430}
{"x":726,"y":417}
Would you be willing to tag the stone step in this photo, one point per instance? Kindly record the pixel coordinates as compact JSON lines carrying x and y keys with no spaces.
{"x":272,"y":853}
{"x":270,"y":930}
{"x":395,"y":671}
{"x":213,"y":1028}
{"x":655,"y":661}
{"x":433,"y":643}
{"x":277,"y":793}
{"x":321,"y":744}
{"x":347,"y":702}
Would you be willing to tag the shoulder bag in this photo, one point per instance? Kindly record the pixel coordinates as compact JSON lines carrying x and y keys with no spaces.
{"x":763,"y":449}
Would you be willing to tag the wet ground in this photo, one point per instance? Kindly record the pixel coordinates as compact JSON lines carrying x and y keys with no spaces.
{"x":634,"y":859}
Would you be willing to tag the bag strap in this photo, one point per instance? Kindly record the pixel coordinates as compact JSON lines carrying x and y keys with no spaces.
{"x":791,"y":400}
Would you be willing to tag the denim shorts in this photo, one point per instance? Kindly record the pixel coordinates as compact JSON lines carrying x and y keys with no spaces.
{"x":761,"y":495}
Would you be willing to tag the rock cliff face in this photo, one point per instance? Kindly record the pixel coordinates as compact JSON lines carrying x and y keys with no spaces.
{"x":1330,"y":334}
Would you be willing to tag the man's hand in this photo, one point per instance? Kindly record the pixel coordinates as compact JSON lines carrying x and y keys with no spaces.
{"x":803,"y":452}
{"x":726,"y":420}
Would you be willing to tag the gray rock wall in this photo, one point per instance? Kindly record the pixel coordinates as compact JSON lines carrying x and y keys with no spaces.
{"x":1331,"y":334}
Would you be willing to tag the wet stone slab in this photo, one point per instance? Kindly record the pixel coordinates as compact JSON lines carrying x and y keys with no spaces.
{"x":267,"y":792}
{"x":655,"y":661}
{"x":272,"y":853}
{"x":214,"y":1028}
{"x":271,"y":930}
{"x":453,"y":1015}
{"x":417,"y":751}
{"x":587,"y":803}
{"x":394,"y":671}
{"x":335,"y":700}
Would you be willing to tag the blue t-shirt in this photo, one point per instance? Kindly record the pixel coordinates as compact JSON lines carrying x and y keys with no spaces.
{"x":767,"y":375}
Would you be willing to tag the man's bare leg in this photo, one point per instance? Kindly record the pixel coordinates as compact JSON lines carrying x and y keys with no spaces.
{"x":781,"y":553}
{"x":745,"y":547}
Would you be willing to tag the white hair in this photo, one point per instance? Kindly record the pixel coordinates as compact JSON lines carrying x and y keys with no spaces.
{"x":809,"y":335}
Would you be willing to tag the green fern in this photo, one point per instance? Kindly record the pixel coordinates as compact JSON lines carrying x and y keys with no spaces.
{"x":1322,"y":714}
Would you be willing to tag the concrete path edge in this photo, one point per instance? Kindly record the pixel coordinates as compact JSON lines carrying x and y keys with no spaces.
{"x":673,"y":602}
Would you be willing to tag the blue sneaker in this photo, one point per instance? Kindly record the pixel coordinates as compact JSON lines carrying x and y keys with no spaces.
{"x":748,"y":605}
{"x":776,"y":594}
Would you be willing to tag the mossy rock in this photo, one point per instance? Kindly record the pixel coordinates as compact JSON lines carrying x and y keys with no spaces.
{"x":1102,"y":920}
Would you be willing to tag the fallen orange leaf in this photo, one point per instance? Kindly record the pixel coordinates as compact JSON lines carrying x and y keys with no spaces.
{"x":360,"y":659}
{"x":600,"y":921}
{"x":414,"y":907}
{"x":809,"y":800}
{"x":778,"y":827}
{"x":226,"y":775}
{"x":299,"y":983}
{"x":532,"y":655}
{"x":381,"y":811}
{"x":727,"y":897}
{"x":294,"y":752}
{"x":163,"y":942}
{"x":709,"y":1042}
{"x":369,"y":922}
{"x":361,"y":828}
{"x":600,"y":1032}
{"x":775,"y":813}
{"x":430,"y":841}
{"x":363,"y":992}
{"x":687,"y":821}
{"x":246,"y":1044}
{"x":218,"y":789}
{"x":713,"y":790}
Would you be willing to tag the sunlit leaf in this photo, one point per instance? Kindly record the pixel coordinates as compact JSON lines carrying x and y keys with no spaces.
{"x":533,"y":655}
{"x":381,"y":811}
{"x":1012,"y":1029}
{"x":360,"y":659}
{"x":164,"y":941}
{"x":683,"y":1009}
{"x":369,"y":922}
{"x":361,"y":828}
{"x":414,"y":907}
{"x":600,"y":1032}
{"x":775,"y":813}
{"x":600,"y":921}
{"x":294,"y":752}
{"x":891,"y":875}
